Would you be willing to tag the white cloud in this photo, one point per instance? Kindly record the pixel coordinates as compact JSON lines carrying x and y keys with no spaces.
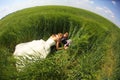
{"x":4,"y":11}
{"x":99,"y":8}
{"x":92,"y":2}
{"x":88,"y":1}
{"x":85,"y":4}
{"x":106,"y":11}
{"x":113,"y":2}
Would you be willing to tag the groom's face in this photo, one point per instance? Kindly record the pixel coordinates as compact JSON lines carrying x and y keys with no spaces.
{"x":65,"y":35}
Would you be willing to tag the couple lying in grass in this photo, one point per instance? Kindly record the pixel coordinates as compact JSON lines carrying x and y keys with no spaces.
{"x":41,"y":48}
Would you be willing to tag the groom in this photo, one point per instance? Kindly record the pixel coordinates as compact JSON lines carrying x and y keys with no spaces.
{"x":65,"y":40}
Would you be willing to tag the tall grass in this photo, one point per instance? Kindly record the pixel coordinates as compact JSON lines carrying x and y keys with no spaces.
{"x":93,"y":46}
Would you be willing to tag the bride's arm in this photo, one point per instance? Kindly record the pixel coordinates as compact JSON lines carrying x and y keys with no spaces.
{"x":57,"y":45}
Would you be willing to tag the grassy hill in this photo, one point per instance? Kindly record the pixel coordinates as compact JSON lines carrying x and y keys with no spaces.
{"x":93,"y":55}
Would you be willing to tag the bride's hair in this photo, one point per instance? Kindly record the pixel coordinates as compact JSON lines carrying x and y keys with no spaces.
{"x":60,"y":35}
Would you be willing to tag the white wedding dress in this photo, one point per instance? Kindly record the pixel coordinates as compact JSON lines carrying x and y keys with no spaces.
{"x":36,"y":49}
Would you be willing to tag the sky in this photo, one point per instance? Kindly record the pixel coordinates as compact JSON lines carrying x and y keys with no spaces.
{"x":109,"y":9}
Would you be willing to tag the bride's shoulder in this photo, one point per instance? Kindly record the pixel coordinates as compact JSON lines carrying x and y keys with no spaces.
{"x":54,"y":37}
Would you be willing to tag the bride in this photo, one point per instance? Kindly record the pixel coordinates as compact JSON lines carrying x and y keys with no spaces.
{"x":36,"y":49}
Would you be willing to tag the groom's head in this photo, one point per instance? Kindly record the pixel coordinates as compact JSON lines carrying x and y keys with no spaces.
{"x":65,"y":35}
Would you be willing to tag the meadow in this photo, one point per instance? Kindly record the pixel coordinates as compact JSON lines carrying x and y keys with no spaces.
{"x":93,"y":55}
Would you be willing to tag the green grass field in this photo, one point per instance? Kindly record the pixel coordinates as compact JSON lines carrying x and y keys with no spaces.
{"x":93,"y":55}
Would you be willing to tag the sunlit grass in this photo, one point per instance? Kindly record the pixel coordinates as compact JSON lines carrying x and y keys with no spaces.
{"x":93,"y":54}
